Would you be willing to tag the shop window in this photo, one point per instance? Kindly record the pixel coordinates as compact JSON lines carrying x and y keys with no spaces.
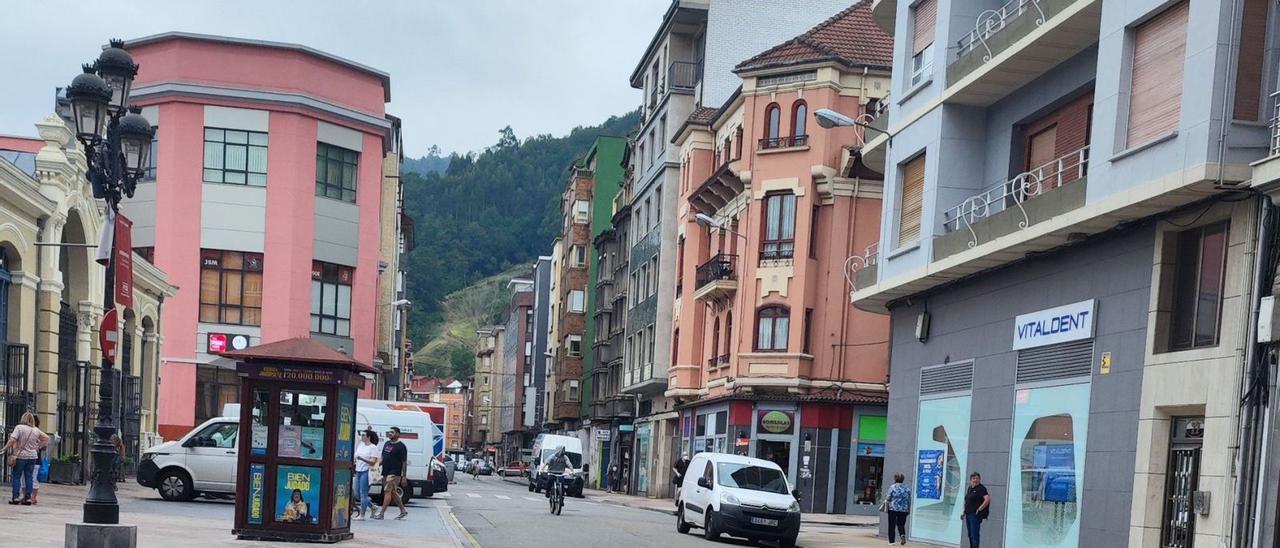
{"x":230,"y":287}
{"x":1046,"y":466}
{"x":331,"y":298}
{"x":336,"y":169}
{"x":942,"y":455}
{"x":215,"y":387}
{"x":772,"y":324}
{"x":235,"y":157}
{"x":1199,"y":271}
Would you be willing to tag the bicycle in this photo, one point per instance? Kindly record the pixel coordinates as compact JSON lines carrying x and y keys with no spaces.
{"x":556,"y":497}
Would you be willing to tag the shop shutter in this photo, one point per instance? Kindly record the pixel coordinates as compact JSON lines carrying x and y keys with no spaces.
{"x":924,"y":19}
{"x":952,"y":377}
{"x":1056,"y":361}
{"x":912,"y":201}
{"x":1155,"y":99}
{"x":1253,"y":42}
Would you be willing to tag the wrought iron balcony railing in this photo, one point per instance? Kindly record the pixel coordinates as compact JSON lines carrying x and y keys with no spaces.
{"x":720,"y":267}
{"x":784,"y":142}
{"x":993,"y":21}
{"x":1067,"y":169}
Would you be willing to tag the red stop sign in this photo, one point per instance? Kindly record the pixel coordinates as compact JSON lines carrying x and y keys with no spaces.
{"x":109,"y":335}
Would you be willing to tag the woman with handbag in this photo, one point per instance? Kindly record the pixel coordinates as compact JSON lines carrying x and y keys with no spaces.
{"x":22,"y":453}
{"x":897,"y":502}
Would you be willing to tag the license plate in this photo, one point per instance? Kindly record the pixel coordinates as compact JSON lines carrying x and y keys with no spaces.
{"x":764,"y":521}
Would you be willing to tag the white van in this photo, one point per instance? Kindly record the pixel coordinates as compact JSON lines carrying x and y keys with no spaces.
{"x":738,"y":496}
{"x":544,"y":446}
{"x":427,"y":475}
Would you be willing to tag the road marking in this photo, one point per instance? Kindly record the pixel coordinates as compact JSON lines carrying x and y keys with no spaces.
{"x":503,"y":497}
{"x":534,"y":499}
{"x":591,"y":503}
{"x":473,"y":495}
{"x":444,"y":495}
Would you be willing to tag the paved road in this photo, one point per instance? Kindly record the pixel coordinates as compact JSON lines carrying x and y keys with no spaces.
{"x":500,"y":514}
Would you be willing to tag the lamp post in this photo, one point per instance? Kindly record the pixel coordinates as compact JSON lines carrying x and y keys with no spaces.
{"x":117,"y":141}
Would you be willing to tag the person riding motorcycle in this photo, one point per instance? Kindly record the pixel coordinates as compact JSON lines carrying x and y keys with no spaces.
{"x":555,"y":469}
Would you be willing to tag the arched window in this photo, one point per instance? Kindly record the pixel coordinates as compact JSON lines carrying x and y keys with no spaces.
{"x":799,"y":117}
{"x":772,"y":126}
{"x":715,"y":344}
{"x":772,"y":323}
{"x":4,"y":295}
{"x":737,"y":143}
{"x":728,"y":333}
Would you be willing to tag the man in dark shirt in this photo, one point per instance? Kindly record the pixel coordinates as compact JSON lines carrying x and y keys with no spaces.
{"x":394,"y":458}
{"x":677,"y":475}
{"x":977,"y":503}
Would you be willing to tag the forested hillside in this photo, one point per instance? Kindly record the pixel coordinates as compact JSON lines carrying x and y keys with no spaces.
{"x":486,"y":213}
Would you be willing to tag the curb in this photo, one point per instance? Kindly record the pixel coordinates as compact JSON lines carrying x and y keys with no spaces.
{"x":456,"y":530}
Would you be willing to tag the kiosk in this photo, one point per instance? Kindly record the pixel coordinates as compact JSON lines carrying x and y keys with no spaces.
{"x":297,"y":430}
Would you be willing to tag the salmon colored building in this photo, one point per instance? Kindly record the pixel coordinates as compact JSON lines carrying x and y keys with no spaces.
{"x":770,"y":360}
{"x":264,"y":205}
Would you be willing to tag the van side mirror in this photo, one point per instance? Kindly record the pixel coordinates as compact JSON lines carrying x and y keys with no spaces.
{"x":704,"y":483}
{"x":795,"y":493}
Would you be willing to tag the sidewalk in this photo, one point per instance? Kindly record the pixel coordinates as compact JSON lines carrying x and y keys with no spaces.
{"x":667,"y":506}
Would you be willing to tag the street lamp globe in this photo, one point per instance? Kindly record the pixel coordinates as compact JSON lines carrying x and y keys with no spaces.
{"x":135,"y":142}
{"x":89,"y":96}
{"x":117,"y":68}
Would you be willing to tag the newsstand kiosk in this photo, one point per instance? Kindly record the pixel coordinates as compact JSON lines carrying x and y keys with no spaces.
{"x":296,"y":440}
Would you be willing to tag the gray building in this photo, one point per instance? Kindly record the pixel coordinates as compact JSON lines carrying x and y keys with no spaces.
{"x":1066,"y":256}
{"x":536,"y":383}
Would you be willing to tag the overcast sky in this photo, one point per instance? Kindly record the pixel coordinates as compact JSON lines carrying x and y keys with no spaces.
{"x":460,"y":69}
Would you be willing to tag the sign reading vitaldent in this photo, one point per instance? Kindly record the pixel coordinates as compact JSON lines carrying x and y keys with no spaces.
{"x":1071,"y":322}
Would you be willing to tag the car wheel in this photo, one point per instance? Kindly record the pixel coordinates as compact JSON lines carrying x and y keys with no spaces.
{"x":789,"y":541}
{"x":710,"y":530}
{"x":175,"y":485}
{"x":681,"y":525}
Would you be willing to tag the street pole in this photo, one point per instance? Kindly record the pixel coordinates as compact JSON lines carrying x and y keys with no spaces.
{"x":101,"y":506}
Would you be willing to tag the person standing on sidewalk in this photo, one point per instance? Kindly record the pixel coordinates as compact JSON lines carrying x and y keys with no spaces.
{"x":898,"y":504}
{"x":977,"y":505}
{"x":612,"y":479}
{"x":366,"y":456}
{"x":22,"y":455}
{"x":677,"y":474}
{"x":394,"y":458}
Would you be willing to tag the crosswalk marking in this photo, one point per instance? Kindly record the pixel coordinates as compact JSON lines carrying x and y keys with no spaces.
{"x":503,"y":497}
{"x":473,"y":495}
{"x":444,"y":495}
{"x":534,"y":499}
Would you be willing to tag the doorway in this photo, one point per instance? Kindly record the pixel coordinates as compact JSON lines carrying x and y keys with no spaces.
{"x":1185,"y":441}
{"x":777,"y":452}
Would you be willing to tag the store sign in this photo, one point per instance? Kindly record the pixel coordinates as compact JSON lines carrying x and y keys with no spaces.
{"x":222,"y":342}
{"x":774,"y":422}
{"x":1065,"y":323}
{"x":626,"y":428}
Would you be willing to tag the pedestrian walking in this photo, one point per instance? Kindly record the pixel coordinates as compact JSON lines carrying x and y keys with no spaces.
{"x":366,"y":456}
{"x":394,"y":458}
{"x":42,"y":462}
{"x":977,"y":506}
{"x":897,"y":502}
{"x":22,"y":454}
{"x":612,"y":479}
{"x":677,"y":474}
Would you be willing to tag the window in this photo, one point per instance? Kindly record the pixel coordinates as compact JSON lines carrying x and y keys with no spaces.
{"x":772,"y":323}
{"x":571,"y":390}
{"x":772,"y":125}
{"x":150,"y":173}
{"x":725,"y":151}
{"x":799,"y":117}
{"x":737,"y":143}
{"x":715,"y":343}
{"x":1199,"y":271}
{"x":235,"y":157}
{"x":779,"y":226}
{"x":924,"y":19}
{"x":581,"y":210}
{"x":808,"y":329}
{"x":331,"y":298}
{"x":578,"y":254}
{"x":336,"y":172}
{"x":230,"y":287}
{"x":728,"y":333}
{"x":1249,"y":67}
{"x":1155,"y":96}
{"x":573,"y":346}
{"x":215,"y":387}
{"x":484,"y":419}
{"x":813,"y":232}
{"x":911,"y":203}
{"x":577,"y":301}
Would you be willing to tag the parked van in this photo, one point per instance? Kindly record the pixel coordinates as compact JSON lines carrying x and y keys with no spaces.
{"x":738,"y":496}
{"x":544,"y":447}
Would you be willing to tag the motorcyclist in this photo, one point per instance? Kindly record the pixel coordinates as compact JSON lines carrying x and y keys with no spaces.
{"x":555,"y":468}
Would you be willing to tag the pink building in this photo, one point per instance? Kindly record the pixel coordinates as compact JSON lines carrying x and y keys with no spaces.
{"x":266,"y":204}
{"x":770,"y":359}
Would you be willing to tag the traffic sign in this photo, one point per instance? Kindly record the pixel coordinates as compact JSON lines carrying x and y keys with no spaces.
{"x":109,"y":335}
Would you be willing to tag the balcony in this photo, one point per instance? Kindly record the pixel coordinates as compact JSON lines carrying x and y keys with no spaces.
{"x":1017,"y":43}
{"x":717,"y":191}
{"x":684,"y":75}
{"x":790,"y":141}
{"x":718,"y":361}
{"x":1014,"y":205}
{"x":1267,"y":170}
{"x":861,"y":270}
{"x":717,"y":278}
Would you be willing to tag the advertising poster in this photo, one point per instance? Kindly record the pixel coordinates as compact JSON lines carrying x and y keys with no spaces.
{"x":341,"y":498}
{"x":297,"y":494}
{"x":312,"y":442}
{"x":290,"y":441}
{"x":259,"y":439}
{"x":346,"y":426}
{"x":257,"y":482}
{"x":929,"y":469}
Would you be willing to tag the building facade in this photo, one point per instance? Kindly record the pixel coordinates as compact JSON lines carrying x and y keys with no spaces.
{"x":487,"y":396}
{"x":268,"y":183}
{"x":517,"y":367}
{"x":1069,"y":266}
{"x":565,"y":384}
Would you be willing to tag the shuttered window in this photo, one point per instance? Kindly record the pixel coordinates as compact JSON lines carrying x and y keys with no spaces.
{"x":1155,"y":100}
{"x":1041,"y":147}
{"x":923,"y":20}
{"x":912,"y":201}
{"x":1056,"y":361}
{"x":1253,"y":40}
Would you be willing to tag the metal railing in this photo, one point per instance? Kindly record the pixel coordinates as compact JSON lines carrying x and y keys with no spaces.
{"x":683,"y":75}
{"x":719,"y":267}
{"x":870,"y":255}
{"x":784,"y":142}
{"x":1069,"y":168}
{"x":1275,"y":123}
{"x":991,"y":22}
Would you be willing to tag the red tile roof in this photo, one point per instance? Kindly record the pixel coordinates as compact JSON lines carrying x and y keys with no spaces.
{"x":702,"y":116}
{"x":850,"y":37}
{"x":299,"y":350}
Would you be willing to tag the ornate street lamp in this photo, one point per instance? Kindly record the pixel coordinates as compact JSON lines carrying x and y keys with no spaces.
{"x":117,"y":157}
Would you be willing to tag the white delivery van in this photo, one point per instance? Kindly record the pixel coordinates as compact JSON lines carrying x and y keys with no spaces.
{"x":426,"y":474}
{"x":738,"y":496}
{"x":201,"y":462}
{"x":544,"y":447}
